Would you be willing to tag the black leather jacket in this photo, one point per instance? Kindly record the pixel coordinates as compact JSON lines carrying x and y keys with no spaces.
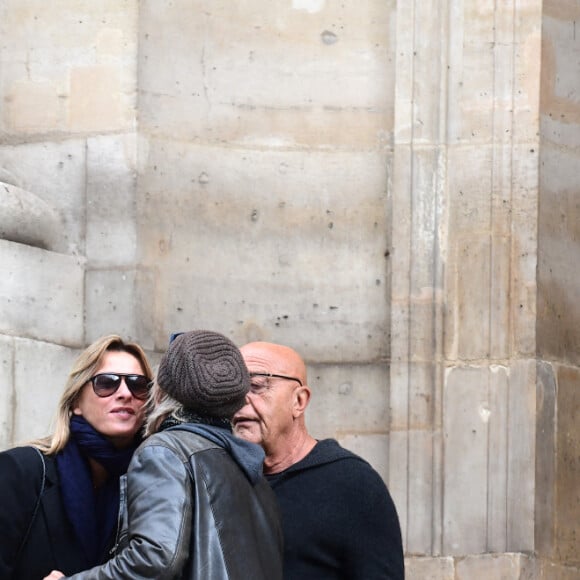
{"x":197,"y":509}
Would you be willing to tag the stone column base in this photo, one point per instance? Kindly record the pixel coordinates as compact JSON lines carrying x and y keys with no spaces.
{"x":509,"y":566}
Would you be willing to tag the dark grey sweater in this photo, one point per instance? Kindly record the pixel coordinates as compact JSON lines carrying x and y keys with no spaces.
{"x":338,"y":518}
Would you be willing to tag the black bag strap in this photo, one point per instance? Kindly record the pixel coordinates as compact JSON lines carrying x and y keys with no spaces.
{"x":37,"y":506}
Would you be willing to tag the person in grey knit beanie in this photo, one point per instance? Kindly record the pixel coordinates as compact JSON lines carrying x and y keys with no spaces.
{"x":205,"y":372}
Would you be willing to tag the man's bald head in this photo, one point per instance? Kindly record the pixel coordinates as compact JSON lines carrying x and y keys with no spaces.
{"x":275,"y":358}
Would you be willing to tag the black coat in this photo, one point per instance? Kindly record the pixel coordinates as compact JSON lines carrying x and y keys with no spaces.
{"x":52,"y":543}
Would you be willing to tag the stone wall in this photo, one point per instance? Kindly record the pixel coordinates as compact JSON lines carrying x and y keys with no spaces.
{"x":464,"y":206}
{"x":387,"y":187}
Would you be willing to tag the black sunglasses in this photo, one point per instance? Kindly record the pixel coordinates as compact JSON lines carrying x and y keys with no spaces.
{"x":106,"y":384}
{"x":261,"y":386}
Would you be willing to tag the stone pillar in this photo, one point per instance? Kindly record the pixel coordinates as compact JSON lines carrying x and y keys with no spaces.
{"x":477,"y":462}
{"x":558,"y":321}
{"x":464,"y":206}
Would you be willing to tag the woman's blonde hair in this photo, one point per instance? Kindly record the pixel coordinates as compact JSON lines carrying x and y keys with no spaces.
{"x":83,"y":369}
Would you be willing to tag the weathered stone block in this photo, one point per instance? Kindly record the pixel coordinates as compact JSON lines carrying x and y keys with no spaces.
{"x":497,"y":566}
{"x":32,"y":106}
{"x":220,"y":97}
{"x":521,"y":455}
{"x":95,"y":99}
{"x":489,"y":429}
{"x":41,"y":295}
{"x":414,"y":395}
{"x":27,"y":219}
{"x":466,"y":417}
{"x":545,"y":460}
{"x":41,"y":370}
{"x":558,"y":280}
{"x":111,"y":304}
{"x":551,"y":571}
{"x":469,"y":197}
{"x":524,"y":246}
{"x":429,"y":569}
{"x":422,"y":511}
{"x":417,"y":487}
{"x":212,"y":217}
{"x":91,"y":68}
{"x":111,"y":208}
{"x":471,"y":324}
{"x":348,"y":399}
{"x":398,"y":478}
{"x":55,"y":172}
{"x":567,"y":493}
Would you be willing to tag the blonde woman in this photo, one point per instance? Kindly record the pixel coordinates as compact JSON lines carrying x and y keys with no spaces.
{"x":59,"y":496}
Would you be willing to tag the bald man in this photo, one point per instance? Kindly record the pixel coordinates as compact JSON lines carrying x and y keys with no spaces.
{"x":338,"y":518}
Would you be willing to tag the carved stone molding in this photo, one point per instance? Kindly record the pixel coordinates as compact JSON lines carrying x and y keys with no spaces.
{"x":27,"y":219}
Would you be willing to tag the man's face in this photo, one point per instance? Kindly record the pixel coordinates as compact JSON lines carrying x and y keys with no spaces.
{"x":267,"y":416}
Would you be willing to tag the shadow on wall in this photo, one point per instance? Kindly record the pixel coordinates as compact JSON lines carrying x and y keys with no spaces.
{"x":27,"y":219}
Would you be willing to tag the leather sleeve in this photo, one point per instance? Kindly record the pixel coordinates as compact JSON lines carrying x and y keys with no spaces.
{"x":20,"y":482}
{"x":159,"y":519}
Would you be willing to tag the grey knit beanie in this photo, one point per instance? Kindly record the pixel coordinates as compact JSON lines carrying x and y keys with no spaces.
{"x":205,"y":372}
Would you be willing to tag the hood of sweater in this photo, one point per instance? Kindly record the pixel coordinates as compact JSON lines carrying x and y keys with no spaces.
{"x":249,"y":456}
{"x":325,"y":451}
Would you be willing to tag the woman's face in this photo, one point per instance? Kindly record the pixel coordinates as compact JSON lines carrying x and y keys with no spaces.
{"x":119,"y":416}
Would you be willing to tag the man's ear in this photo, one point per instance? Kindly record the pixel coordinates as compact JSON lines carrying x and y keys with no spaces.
{"x":301,"y":400}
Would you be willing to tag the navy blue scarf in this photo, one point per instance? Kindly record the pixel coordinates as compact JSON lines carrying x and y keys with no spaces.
{"x":92,"y":513}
